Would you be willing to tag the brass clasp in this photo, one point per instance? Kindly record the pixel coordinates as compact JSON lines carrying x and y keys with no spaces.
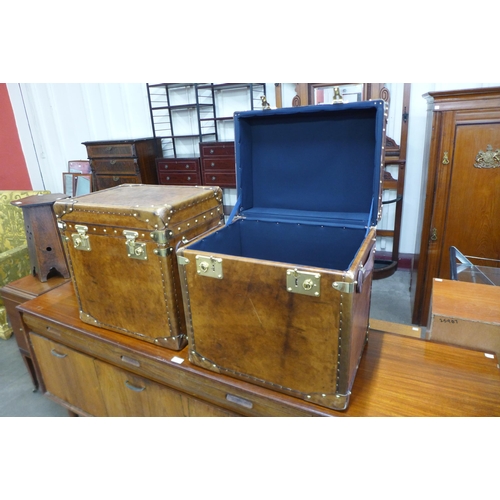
{"x":135,"y":250}
{"x":81,"y":238}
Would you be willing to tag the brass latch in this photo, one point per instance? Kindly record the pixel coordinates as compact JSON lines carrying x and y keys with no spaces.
{"x":135,"y":250}
{"x":81,"y":238}
{"x":303,"y":282}
{"x":209,"y":266}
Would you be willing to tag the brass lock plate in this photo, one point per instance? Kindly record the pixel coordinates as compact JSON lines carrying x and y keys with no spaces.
{"x":135,"y":250}
{"x":81,"y":238}
{"x":209,"y":266}
{"x":303,"y":282}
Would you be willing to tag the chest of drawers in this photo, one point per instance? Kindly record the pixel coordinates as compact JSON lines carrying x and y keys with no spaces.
{"x":122,"y":162}
{"x":218,"y":166}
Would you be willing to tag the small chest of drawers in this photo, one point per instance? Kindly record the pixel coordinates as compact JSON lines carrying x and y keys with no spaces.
{"x":218,"y":166}
{"x":122,"y":162}
{"x":179,"y":171}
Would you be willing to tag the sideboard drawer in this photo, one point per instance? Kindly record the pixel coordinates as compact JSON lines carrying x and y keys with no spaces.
{"x":124,"y":166}
{"x":125,"y":393}
{"x":111,"y":150}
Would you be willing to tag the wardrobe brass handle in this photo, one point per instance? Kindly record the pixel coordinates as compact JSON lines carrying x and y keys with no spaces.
{"x":445,"y":158}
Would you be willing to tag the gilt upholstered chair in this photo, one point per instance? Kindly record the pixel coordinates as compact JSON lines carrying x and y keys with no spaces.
{"x":14,"y":256}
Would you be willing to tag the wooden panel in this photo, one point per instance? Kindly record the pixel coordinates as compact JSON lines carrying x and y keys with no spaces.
{"x":68,"y":375}
{"x":126,"y":394}
{"x":473,"y":211}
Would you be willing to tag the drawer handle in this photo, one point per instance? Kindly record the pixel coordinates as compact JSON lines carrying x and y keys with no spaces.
{"x":211,"y":151}
{"x":112,"y":162}
{"x":130,"y":361}
{"x":212,"y":164}
{"x":168,"y":178}
{"x":187,"y":166}
{"x":189,"y":177}
{"x":115,"y":178}
{"x":213,"y":177}
{"x":57,"y":354}
{"x":134,"y":387}
{"x":239,"y":401}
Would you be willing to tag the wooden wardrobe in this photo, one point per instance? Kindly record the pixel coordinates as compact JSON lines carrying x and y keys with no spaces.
{"x":462,"y":194}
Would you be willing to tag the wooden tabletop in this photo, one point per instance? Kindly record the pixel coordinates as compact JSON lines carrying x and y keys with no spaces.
{"x":397,"y":376}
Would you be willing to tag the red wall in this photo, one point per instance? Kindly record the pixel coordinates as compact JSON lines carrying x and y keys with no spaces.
{"x":13,"y":171}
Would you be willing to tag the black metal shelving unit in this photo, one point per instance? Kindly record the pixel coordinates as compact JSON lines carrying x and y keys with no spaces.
{"x":186,"y":114}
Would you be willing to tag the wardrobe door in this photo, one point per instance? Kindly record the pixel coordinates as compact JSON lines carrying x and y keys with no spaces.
{"x":464,"y":187}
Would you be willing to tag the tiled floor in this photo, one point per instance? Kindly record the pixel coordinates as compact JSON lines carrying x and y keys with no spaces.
{"x":390,"y":302}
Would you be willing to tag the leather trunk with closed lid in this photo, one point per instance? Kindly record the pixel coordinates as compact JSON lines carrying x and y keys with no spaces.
{"x":280,"y":296}
{"x":120,"y":244}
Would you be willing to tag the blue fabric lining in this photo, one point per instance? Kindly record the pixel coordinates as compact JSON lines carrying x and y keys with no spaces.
{"x":312,"y":159}
{"x":297,"y":244}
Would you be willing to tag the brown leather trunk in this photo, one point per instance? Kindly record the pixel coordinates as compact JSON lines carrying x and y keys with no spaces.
{"x":280,"y":295}
{"x":120,"y":245}
{"x":308,"y":346}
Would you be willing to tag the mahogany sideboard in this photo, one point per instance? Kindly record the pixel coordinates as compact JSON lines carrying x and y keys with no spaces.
{"x":92,"y":371}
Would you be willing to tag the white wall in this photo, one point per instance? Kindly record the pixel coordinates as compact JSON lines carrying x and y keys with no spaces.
{"x":54,"y":119}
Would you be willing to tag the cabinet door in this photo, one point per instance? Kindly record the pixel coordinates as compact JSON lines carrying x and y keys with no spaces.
{"x":68,"y":375}
{"x":469,"y":218}
{"x":126,"y":394}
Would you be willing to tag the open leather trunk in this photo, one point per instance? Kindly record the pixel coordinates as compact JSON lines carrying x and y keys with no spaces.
{"x":280,"y":295}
